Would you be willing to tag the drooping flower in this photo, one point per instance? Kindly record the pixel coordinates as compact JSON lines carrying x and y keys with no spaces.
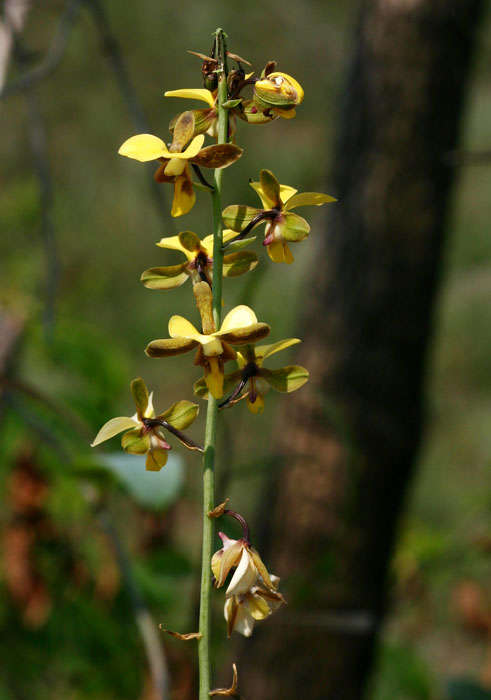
{"x":243,"y":610}
{"x":245,"y":559}
{"x":145,"y":432}
{"x":240,"y":326}
{"x":199,"y":261}
{"x":251,"y":381}
{"x":175,"y":161}
{"x":282,"y":225}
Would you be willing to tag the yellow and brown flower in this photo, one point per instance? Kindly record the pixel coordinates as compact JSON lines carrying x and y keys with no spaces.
{"x":252,"y":381}
{"x":145,"y":432}
{"x":199,"y":261}
{"x":283,"y":226}
{"x":175,"y":161}
{"x":214,"y":347}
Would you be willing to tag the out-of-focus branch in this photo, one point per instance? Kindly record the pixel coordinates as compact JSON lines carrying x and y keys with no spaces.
{"x":11,"y":23}
{"x":42,"y":167}
{"x":54,"y":56}
{"x":146,"y":625}
{"x":112,"y":51}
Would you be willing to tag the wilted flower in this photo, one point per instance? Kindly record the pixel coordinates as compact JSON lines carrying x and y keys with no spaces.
{"x":175,"y":161}
{"x":240,"y":326}
{"x":145,"y":431}
{"x":248,"y":563}
{"x":241,"y":611}
{"x":282,"y":225}
{"x":199,"y":264}
{"x":252,"y":380}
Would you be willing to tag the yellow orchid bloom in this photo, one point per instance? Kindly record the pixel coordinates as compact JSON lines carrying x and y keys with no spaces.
{"x":282,"y":225}
{"x":145,"y":431}
{"x":252,"y":381}
{"x":242,"y":611}
{"x":199,"y":261}
{"x":175,"y":161}
{"x":240,"y":326}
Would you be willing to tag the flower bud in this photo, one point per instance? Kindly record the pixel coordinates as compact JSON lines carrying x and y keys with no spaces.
{"x":278,"y":90}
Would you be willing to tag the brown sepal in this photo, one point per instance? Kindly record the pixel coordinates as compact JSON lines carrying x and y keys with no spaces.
{"x":219,"y":156}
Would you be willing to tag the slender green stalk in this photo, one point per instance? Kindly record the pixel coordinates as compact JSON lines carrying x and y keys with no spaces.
{"x":212,"y":411}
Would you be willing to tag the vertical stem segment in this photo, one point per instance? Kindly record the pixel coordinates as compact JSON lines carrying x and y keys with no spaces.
{"x":212,"y":411}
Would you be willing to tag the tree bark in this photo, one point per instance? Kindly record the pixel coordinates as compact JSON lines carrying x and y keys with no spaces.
{"x":354,"y":431}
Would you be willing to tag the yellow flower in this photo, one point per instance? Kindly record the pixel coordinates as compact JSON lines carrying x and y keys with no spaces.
{"x":248,"y":563}
{"x":175,"y":161}
{"x":145,"y":431}
{"x":199,"y":261}
{"x":240,"y":326}
{"x":243,"y":610}
{"x":251,"y":381}
{"x":282,"y":225}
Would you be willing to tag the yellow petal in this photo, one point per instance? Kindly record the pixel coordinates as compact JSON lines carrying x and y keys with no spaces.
{"x":156,"y":459}
{"x":143,"y":147}
{"x":114,"y":427}
{"x":174,"y":167}
{"x":286,"y":192}
{"x":207,"y":242}
{"x":309,"y":199}
{"x":258,"y":607}
{"x":261,"y":569}
{"x":194,"y":147}
{"x":184,"y":196}
{"x":193,"y":94}
{"x":264,"y":199}
{"x":180,"y":327}
{"x":172,"y":243}
{"x":285,"y":113}
{"x":279,"y":252}
{"x":258,"y":405}
{"x":239,"y":317}
{"x":241,"y":360}
{"x":265,"y":351}
{"x":214,"y":378}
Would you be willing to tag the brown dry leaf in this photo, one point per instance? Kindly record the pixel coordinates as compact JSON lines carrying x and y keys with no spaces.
{"x":183,"y":637}
{"x":229,"y":692}
{"x":218,"y":511}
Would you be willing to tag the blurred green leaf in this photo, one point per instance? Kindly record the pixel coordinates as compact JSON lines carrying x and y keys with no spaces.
{"x":149,"y":489}
{"x":466,"y":689}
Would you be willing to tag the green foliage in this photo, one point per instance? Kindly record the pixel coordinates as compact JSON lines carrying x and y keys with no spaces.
{"x":401,"y":674}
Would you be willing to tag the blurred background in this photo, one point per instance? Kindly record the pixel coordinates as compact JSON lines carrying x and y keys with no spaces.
{"x":369,"y":494}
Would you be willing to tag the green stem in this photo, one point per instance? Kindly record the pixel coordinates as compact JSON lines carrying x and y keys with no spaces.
{"x":212,"y":411}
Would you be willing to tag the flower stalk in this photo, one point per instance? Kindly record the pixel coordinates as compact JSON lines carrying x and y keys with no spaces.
{"x":212,"y":410}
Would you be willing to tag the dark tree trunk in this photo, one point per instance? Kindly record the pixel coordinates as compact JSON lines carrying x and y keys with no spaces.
{"x":354,"y":431}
